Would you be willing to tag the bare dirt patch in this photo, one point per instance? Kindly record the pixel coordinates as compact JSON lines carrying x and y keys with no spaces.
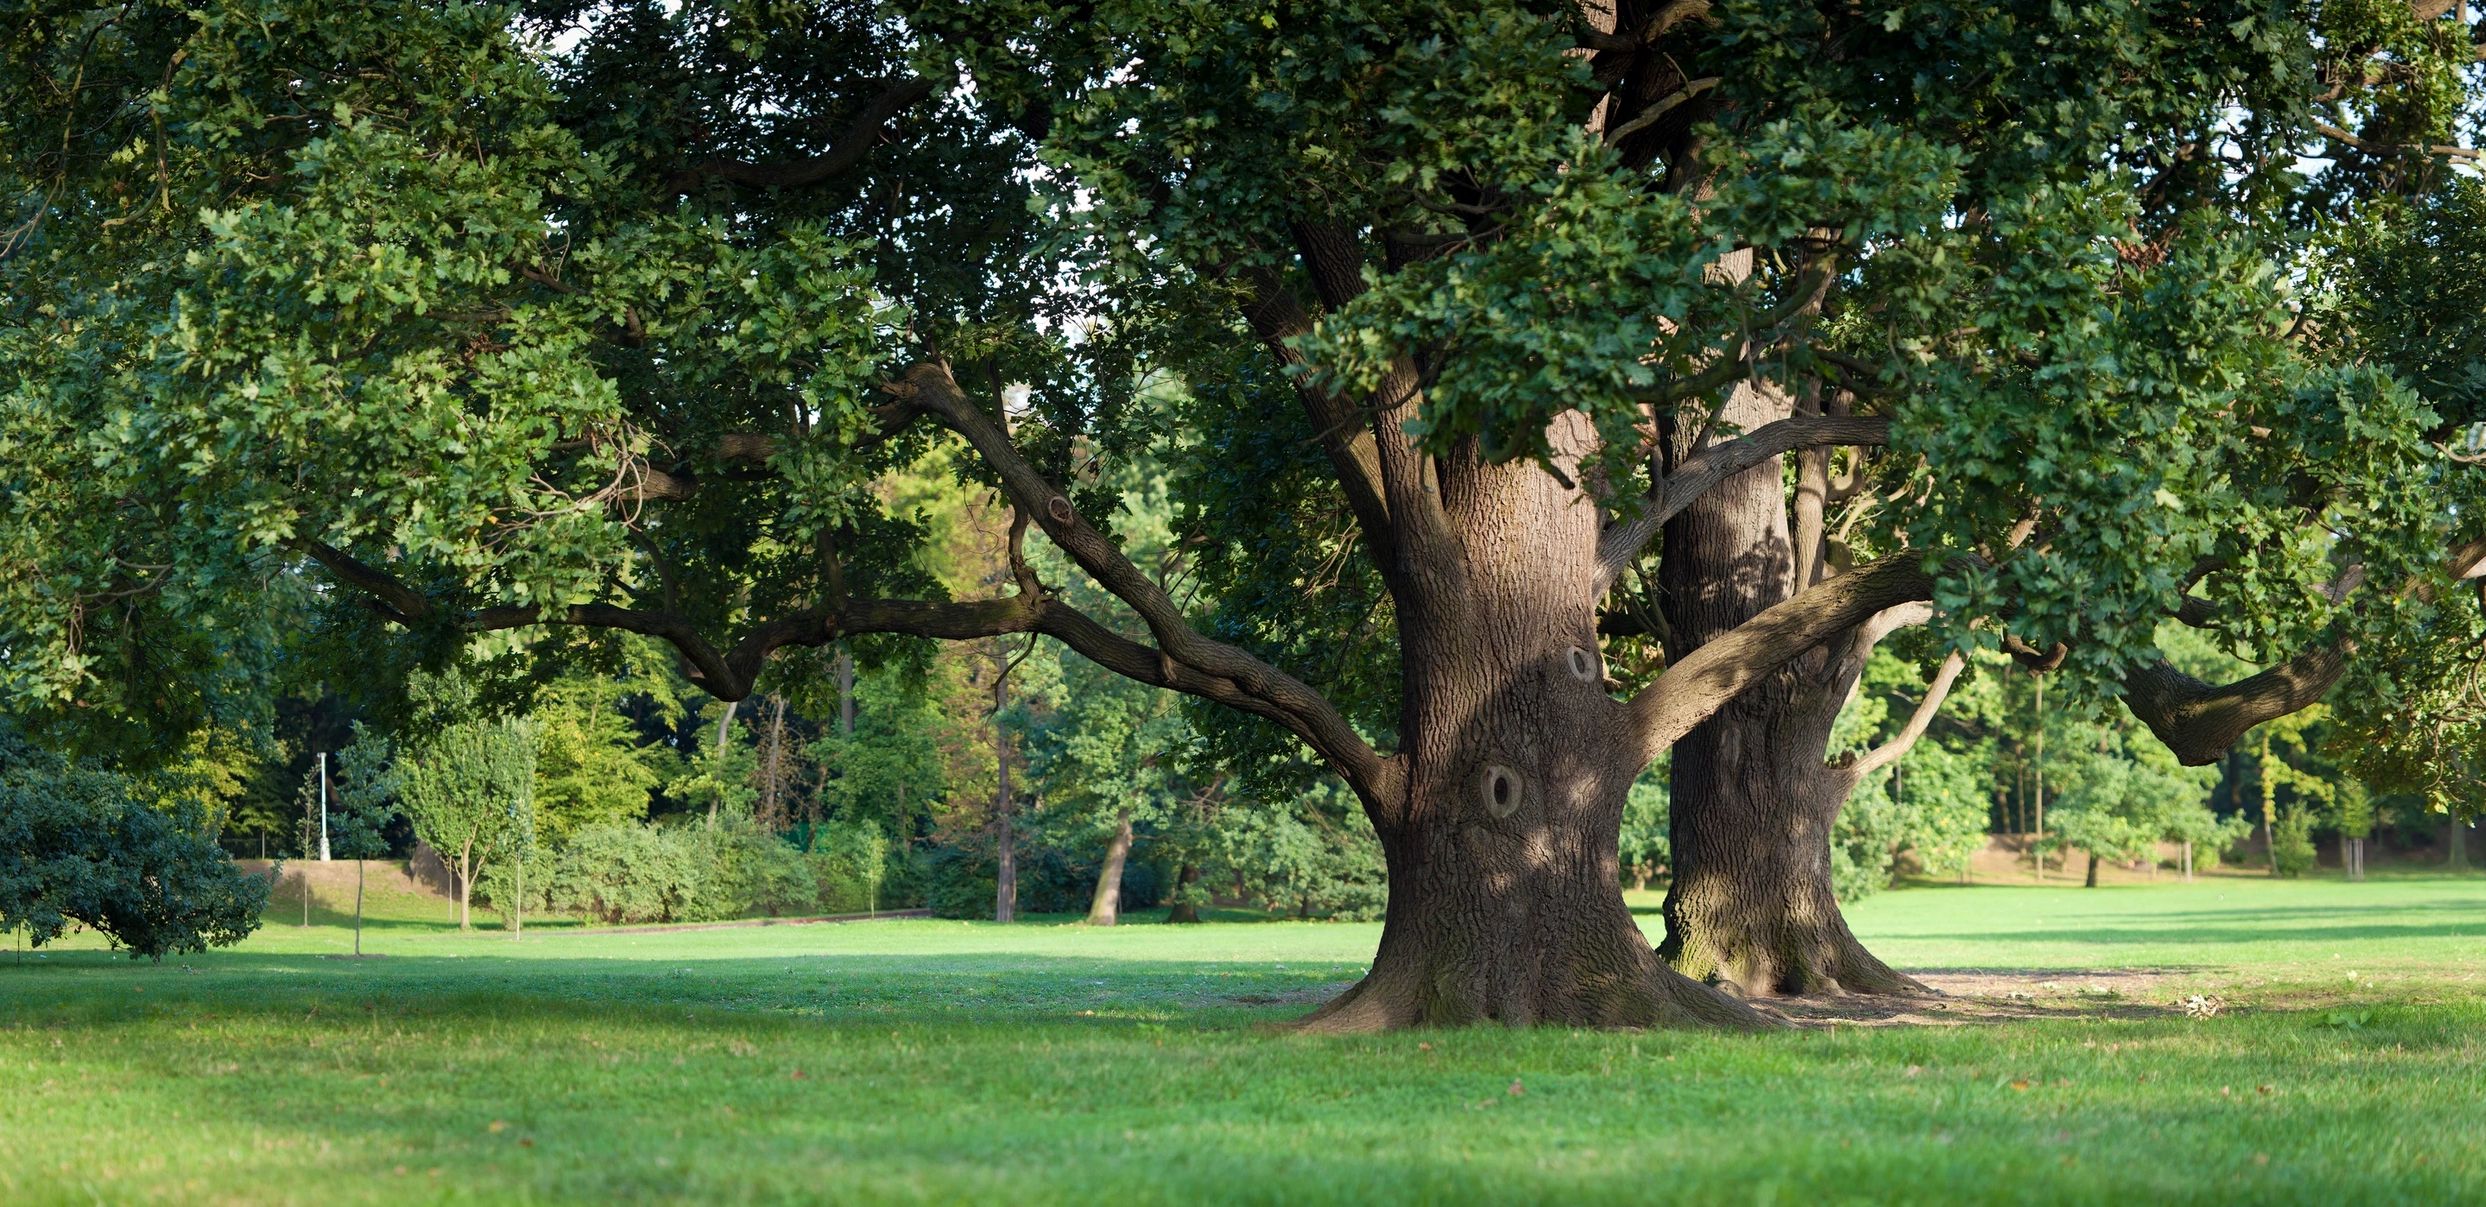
{"x":1968,"y":996}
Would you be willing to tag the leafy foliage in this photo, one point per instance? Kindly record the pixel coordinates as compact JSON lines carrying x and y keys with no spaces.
{"x":93,"y":847}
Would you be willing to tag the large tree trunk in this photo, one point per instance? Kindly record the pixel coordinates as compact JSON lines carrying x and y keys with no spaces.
{"x":1519,"y":918}
{"x":1105,"y":908}
{"x":2456,"y":843}
{"x":1501,"y":828}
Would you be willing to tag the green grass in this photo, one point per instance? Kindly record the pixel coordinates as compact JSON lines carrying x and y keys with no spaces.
{"x":946,"y":1061}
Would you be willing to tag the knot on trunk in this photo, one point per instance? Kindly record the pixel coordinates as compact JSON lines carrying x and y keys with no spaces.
{"x":1501,"y":789}
{"x":1584,"y":666}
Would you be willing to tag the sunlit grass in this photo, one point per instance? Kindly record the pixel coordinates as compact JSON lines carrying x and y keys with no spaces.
{"x":940,"y":1061}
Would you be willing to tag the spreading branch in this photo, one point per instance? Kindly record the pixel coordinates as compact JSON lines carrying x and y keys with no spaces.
{"x":1188,"y":656}
{"x":1919,"y":721}
{"x":851,"y":145}
{"x":1622,"y":542}
{"x":1705,"y":679}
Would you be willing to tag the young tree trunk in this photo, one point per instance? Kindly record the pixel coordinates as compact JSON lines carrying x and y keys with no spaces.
{"x":1006,"y":874}
{"x":845,"y":691}
{"x":1105,"y":908}
{"x":2091,"y":881}
{"x":358,"y":908}
{"x":465,"y":883}
{"x":2188,"y":861}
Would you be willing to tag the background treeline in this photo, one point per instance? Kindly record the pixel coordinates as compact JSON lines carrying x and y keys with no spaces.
{"x":1005,"y":776}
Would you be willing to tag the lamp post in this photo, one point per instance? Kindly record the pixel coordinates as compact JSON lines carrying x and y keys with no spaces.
{"x":323,"y":806}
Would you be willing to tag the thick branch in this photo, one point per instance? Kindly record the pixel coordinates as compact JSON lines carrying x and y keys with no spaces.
{"x":1277,"y":694}
{"x":1277,"y":318}
{"x":1918,"y":721}
{"x":730,"y":673}
{"x":1704,"y":680}
{"x":2199,"y":722}
{"x":851,"y":146}
{"x":398,"y":602}
{"x":1623,"y":540}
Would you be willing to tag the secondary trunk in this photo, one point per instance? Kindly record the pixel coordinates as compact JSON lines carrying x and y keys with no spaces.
{"x":1753,"y":799}
{"x":1105,"y":908}
{"x":1752,"y":903}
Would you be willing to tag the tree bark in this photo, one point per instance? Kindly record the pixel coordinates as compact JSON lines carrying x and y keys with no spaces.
{"x":465,"y":883}
{"x":1518,"y":919}
{"x":2455,"y":843}
{"x":1183,"y":908}
{"x":1105,"y":908}
{"x":1501,"y":826}
{"x":1753,"y":799}
{"x":2091,"y":880}
{"x":1752,"y":903}
{"x":358,"y":908}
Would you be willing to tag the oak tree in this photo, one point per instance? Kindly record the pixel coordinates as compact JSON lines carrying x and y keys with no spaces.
{"x":1563,"y":384}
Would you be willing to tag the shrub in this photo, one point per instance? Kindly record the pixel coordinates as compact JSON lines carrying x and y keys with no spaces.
{"x":629,"y":873}
{"x":750,"y":869}
{"x":75,"y":847}
{"x":850,"y":866}
{"x":2291,"y":842}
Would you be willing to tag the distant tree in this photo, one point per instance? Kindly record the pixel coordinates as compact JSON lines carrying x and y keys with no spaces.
{"x":590,"y":770}
{"x":2121,"y":797}
{"x":362,"y":798}
{"x":716,"y":775}
{"x":457,"y":786}
{"x":2291,"y":842}
{"x":1645,"y":846}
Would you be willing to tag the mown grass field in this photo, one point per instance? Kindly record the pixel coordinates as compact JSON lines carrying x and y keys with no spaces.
{"x":945,"y":1061}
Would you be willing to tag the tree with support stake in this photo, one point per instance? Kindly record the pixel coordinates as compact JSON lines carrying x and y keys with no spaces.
{"x":364,"y":801}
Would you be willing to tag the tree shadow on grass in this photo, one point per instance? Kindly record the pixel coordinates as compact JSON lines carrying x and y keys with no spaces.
{"x":95,"y":986}
{"x":2211,"y":936}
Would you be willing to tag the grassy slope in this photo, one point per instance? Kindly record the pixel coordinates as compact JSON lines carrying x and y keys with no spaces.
{"x":943,"y":1060}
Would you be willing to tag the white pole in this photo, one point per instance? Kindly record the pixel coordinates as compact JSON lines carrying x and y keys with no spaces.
{"x":323,"y":806}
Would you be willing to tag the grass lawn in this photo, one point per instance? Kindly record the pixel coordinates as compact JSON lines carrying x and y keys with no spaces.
{"x":943,"y":1061}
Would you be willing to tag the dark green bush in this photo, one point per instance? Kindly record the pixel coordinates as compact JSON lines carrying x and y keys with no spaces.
{"x":75,"y":847}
